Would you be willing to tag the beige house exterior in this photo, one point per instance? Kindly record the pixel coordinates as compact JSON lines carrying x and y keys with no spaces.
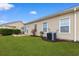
{"x":13,"y":25}
{"x":65,"y":24}
{"x":8,"y":27}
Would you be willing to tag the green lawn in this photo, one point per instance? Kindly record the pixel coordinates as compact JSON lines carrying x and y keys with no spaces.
{"x":35,"y":46}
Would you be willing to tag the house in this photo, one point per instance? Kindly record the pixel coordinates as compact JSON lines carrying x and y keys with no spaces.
{"x":6,"y":26}
{"x":65,"y":24}
{"x":13,"y":25}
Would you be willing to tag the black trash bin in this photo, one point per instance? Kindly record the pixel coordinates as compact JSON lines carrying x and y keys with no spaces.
{"x":51,"y":36}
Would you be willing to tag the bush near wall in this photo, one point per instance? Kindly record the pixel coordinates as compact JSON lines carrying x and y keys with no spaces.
{"x":16,"y":31}
{"x":9,"y":31}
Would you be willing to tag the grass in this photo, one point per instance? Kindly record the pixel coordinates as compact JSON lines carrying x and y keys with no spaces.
{"x":35,"y":46}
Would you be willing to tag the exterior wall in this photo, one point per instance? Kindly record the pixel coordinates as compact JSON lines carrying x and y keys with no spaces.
{"x":6,"y":27}
{"x":17,"y":25}
{"x":53,"y":25}
{"x":14,"y":25}
{"x":68,"y":36}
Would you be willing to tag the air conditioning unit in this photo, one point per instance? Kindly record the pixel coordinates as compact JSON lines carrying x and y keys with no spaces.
{"x":51,"y":36}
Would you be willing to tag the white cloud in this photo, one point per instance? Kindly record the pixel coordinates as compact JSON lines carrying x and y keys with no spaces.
{"x":6,"y":6}
{"x":2,"y":21}
{"x":33,"y":12}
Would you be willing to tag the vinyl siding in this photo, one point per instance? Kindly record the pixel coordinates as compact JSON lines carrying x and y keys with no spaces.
{"x":53,"y":25}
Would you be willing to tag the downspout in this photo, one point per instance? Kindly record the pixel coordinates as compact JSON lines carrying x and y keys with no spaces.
{"x":75,"y":26}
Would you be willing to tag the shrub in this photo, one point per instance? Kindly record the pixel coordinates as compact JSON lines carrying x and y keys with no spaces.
{"x":16,"y":31}
{"x":33,"y":32}
{"x":9,"y":31}
{"x":41,"y":33}
{"x":6,"y":31}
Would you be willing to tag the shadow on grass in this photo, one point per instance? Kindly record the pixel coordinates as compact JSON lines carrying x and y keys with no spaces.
{"x":59,"y":40}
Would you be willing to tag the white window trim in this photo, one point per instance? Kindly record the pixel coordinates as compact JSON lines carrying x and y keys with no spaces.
{"x":43,"y":26}
{"x":69,"y":26}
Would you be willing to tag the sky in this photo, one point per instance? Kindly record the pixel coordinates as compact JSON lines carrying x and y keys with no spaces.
{"x":27,"y":12}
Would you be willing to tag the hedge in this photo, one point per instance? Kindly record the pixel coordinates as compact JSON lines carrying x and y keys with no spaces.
{"x":9,"y":31}
{"x":16,"y":31}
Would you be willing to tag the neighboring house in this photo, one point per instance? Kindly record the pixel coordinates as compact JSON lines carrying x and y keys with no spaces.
{"x":65,"y":24}
{"x":13,"y":25}
{"x":5,"y":26}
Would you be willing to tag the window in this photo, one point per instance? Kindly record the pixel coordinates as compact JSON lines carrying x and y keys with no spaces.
{"x":64,"y":25}
{"x":45,"y":27}
{"x":22,"y":28}
{"x":26,"y":29}
{"x":35,"y":27}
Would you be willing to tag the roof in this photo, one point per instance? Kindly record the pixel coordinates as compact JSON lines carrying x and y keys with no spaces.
{"x":6,"y":26}
{"x":54,"y":15}
{"x":11,"y":23}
